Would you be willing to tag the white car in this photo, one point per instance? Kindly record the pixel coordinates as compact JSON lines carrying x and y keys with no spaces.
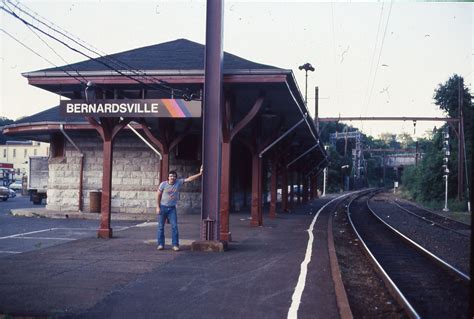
{"x":4,"y":193}
{"x":12,"y":193}
{"x":16,"y":186}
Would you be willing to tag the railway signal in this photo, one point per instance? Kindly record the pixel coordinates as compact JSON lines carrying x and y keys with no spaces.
{"x":445,"y":166}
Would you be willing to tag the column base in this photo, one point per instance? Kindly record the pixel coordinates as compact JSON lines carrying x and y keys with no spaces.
{"x":255,"y":223}
{"x":104,"y":233}
{"x":226,"y":236}
{"x":217,"y":246}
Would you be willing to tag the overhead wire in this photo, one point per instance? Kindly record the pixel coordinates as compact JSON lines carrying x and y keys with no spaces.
{"x":36,"y":53}
{"x":34,"y":15}
{"x":363,"y":110}
{"x":380,"y":54}
{"x":166,"y":89}
{"x":55,"y":52}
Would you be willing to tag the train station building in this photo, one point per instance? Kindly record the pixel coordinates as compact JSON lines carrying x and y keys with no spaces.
{"x":147,"y":120}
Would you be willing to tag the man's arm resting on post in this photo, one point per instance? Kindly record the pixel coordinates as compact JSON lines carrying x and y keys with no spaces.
{"x":158,"y":201}
{"x":193,"y":177}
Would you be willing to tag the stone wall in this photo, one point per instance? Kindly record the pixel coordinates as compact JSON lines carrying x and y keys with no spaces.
{"x":135,"y":177}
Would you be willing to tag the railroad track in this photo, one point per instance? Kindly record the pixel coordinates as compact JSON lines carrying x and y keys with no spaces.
{"x":435,"y":219}
{"x":424,"y":284}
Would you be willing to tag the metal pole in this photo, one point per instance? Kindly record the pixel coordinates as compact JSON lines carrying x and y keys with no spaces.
{"x":306,"y":89}
{"x":445,"y":209}
{"x":316,"y":107}
{"x":212,"y":118}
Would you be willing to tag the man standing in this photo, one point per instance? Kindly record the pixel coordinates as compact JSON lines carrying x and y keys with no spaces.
{"x":167,"y":198}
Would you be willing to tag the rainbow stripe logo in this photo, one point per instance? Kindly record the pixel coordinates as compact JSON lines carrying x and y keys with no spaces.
{"x":179,"y":108}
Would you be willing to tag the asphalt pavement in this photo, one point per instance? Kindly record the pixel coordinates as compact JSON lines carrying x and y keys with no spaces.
{"x":126,"y":276}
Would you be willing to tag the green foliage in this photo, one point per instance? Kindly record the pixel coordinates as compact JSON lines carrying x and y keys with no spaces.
{"x":4,"y":121}
{"x":425,"y":183}
{"x":446,"y":96}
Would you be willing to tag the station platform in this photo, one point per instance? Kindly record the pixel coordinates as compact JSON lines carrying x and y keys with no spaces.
{"x":127,"y":277}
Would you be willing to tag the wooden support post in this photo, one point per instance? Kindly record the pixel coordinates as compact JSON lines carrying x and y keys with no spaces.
{"x":305,"y":188}
{"x":256,"y":209}
{"x":164,"y":166}
{"x":292,"y":190}
{"x":299,"y":181}
{"x":273,"y":188}
{"x":105,"y":231}
{"x":228,"y":134}
{"x":225,"y":192}
{"x":108,"y":129}
{"x":284,"y":187}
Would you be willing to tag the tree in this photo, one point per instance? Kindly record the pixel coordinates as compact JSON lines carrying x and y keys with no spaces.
{"x":446,"y":96}
{"x":389,"y":139}
{"x":405,"y":140}
{"x":4,"y":121}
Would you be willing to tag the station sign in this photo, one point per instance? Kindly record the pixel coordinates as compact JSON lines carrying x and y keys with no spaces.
{"x":174,"y":108}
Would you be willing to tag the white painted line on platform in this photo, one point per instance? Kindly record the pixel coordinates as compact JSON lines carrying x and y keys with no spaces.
{"x":45,"y":238}
{"x":146,"y":224}
{"x":9,"y":252}
{"x":23,"y":234}
{"x":298,"y":293}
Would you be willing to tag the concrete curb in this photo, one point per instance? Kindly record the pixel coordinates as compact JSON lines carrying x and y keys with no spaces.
{"x":44,"y":213}
{"x":341,"y":295}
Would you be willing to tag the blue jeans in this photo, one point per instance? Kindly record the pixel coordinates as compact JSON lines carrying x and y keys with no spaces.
{"x":170,"y":213}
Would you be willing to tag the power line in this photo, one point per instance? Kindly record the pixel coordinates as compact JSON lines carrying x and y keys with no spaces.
{"x":380,"y":53}
{"x":51,"y":48}
{"x":37,"y":54}
{"x":372,"y":60}
{"x":85,"y":45}
{"x":163,"y":88}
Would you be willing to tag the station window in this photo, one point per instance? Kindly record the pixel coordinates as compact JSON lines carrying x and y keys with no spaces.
{"x":5,"y":152}
{"x":14,"y":152}
{"x":188,"y":148}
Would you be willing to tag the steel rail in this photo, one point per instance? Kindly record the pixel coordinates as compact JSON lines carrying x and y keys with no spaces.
{"x":425,"y":251}
{"x":396,"y":292}
{"x":430,"y":221}
{"x":388,"y":118}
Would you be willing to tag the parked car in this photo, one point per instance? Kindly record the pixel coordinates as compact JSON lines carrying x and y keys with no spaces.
{"x":12,"y":193}
{"x":16,"y":186}
{"x":4,"y":193}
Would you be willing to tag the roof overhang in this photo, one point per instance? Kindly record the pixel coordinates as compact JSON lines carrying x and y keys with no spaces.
{"x":280,"y":85}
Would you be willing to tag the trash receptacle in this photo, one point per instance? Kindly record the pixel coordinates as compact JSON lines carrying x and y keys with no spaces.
{"x":95,"y":201}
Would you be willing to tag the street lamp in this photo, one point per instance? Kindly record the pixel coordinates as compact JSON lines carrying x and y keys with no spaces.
{"x":306,"y":67}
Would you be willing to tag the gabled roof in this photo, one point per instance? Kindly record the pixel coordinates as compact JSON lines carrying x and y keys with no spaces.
{"x":179,"y":54}
{"x":50,"y":115}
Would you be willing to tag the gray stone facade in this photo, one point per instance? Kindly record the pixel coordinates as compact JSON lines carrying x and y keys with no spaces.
{"x":135,"y":177}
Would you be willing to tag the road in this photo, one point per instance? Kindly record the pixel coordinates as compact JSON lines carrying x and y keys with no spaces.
{"x":22,"y":234}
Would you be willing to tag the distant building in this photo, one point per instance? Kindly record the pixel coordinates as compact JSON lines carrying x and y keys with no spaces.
{"x":18,"y":153}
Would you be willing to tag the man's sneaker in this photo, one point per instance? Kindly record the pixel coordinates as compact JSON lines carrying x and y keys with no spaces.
{"x":175,"y":248}
{"x":160,"y":247}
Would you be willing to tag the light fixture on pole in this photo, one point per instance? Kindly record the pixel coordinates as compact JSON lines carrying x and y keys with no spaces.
{"x":306,"y":67}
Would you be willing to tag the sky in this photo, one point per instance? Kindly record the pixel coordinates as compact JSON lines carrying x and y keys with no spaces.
{"x":370,"y":58}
